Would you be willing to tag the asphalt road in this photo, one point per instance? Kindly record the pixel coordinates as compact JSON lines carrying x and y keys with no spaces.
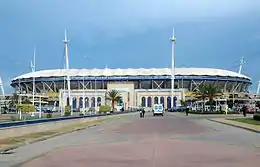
{"x":172,"y":140}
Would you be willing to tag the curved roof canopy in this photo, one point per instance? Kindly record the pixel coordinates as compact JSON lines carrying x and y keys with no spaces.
{"x":132,"y":72}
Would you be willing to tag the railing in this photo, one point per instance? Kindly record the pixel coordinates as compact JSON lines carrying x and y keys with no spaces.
{"x":30,"y":122}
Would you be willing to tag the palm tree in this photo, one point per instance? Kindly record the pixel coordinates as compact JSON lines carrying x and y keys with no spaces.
{"x":201,"y":93}
{"x":210,"y":92}
{"x":113,"y":96}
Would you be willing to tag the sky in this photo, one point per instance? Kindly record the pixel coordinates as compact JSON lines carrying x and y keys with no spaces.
{"x":129,"y":34}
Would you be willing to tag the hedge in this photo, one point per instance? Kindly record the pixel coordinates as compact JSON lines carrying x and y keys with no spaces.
{"x":104,"y":109}
{"x":257,"y":117}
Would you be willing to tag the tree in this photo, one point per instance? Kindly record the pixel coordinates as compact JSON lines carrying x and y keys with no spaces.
{"x":26,"y":108}
{"x":14,"y":100}
{"x":201,"y":94}
{"x":208,"y":91}
{"x":113,"y":96}
{"x":183,"y":103}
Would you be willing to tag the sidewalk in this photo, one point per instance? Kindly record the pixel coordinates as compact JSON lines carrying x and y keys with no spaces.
{"x":253,"y":128}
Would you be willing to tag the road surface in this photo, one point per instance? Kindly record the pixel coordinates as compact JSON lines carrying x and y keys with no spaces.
{"x":172,"y":140}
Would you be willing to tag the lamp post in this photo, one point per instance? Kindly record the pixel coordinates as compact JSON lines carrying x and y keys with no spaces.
{"x":173,"y":39}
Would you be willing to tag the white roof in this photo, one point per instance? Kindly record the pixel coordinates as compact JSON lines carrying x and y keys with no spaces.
{"x":132,"y":72}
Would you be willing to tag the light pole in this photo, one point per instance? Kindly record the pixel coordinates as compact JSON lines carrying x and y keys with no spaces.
{"x":84,"y":95}
{"x":173,"y":39}
{"x":33,"y":70}
{"x":66,"y":41}
{"x":19,"y":100}
{"x":40,"y":107}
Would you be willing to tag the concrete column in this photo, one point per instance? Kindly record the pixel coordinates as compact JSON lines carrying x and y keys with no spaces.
{"x":146,"y":101}
{"x":165,"y":101}
{"x":77,"y":104}
{"x":152,"y":100}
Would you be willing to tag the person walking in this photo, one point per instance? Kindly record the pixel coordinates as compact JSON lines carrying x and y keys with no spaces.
{"x":244,"y":110}
{"x":141,"y":114}
{"x":187,"y":110}
{"x":143,"y":111}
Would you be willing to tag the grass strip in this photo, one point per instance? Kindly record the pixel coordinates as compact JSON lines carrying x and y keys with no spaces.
{"x":250,"y":121}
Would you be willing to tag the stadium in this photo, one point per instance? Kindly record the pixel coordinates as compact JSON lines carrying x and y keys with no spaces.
{"x":137,"y":87}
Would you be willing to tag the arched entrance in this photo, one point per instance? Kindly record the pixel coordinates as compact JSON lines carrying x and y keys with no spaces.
{"x":143,"y":102}
{"x":74,"y":103}
{"x":81,"y":102}
{"x":99,"y":101}
{"x":93,"y":102}
{"x":149,"y":102}
{"x":168,"y":102}
{"x":156,"y":100}
{"x":87,"y":102}
{"x":162,"y":101}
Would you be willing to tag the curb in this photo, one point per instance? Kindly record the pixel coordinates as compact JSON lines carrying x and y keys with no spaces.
{"x":5,"y":150}
{"x":237,"y":126}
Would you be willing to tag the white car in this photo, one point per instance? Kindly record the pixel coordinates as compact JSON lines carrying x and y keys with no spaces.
{"x":158,"y":109}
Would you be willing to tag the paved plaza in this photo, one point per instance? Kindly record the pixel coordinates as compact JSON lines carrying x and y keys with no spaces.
{"x":173,"y":140}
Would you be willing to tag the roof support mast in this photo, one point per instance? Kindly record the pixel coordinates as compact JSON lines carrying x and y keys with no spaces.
{"x":2,"y":86}
{"x":258,"y":88}
{"x":242,"y":62}
{"x":173,"y":69}
{"x":66,"y":41}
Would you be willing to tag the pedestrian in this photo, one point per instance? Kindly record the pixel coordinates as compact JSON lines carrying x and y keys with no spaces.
{"x":187,"y":110}
{"x":143,"y":111}
{"x":244,"y":110}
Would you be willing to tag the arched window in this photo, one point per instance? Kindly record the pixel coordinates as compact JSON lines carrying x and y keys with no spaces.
{"x":156,"y":100}
{"x":143,"y":102}
{"x":87,"y":102}
{"x":149,"y":102}
{"x":81,"y":102}
{"x":99,"y":101}
{"x":162,"y":100}
{"x":93,"y":101}
{"x":74,"y":103}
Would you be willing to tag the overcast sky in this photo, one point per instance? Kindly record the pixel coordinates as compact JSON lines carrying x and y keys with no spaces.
{"x":129,"y":34}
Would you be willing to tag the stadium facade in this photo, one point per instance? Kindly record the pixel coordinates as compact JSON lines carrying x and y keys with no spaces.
{"x":137,"y":87}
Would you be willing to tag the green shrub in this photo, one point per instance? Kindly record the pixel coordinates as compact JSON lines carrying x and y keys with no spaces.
{"x":26,"y":107}
{"x":67,"y":111}
{"x":104,"y":109}
{"x":14,"y":118}
{"x":91,"y":109}
{"x":257,"y":117}
{"x":49,"y":115}
{"x":81,"y":114}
